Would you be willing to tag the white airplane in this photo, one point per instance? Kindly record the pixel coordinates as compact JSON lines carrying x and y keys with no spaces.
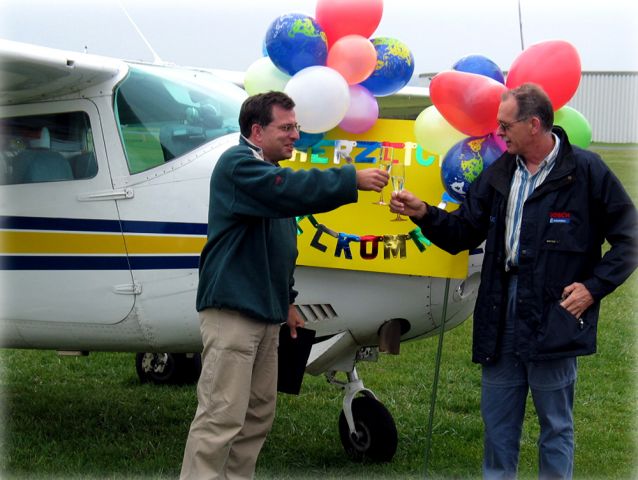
{"x":104,"y":177}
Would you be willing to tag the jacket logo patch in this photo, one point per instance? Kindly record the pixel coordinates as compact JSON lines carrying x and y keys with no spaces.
{"x":278,"y":180}
{"x":559,"y":217}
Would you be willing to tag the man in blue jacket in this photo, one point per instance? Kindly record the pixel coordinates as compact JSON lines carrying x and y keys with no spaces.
{"x":246,"y":282}
{"x":544,"y":209}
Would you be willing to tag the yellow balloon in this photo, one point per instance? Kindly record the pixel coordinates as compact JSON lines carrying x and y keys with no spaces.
{"x":434,"y":133}
{"x":262,"y":76}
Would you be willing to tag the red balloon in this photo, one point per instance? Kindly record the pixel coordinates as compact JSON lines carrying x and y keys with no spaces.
{"x":553,"y":65}
{"x":354,"y":57}
{"x":344,"y":17}
{"x":468,"y":101}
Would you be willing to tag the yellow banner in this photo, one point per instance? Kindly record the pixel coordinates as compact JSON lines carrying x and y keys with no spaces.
{"x":364,"y":236}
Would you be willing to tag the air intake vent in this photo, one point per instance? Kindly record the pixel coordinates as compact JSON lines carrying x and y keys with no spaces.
{"x":317,"y":312}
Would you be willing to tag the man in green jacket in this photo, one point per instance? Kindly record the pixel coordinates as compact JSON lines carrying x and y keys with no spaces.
{"x":246,"y":282}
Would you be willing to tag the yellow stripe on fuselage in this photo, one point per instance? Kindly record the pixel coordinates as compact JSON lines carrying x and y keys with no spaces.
{"x":14,"y":242}
{"x":143,"y":244}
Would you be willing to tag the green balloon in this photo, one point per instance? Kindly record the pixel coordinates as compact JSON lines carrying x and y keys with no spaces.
{"x":262,"y":76}
{"x":575,"y":124}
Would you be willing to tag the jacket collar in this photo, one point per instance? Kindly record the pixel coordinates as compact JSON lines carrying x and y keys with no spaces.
{"x":504,"y":166}
{"x":257,"y":151}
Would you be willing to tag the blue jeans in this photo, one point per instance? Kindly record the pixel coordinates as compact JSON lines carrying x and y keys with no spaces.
{"x":505,"y":386}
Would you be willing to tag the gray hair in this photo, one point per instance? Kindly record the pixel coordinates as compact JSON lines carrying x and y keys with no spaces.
{"x":532,"y":101}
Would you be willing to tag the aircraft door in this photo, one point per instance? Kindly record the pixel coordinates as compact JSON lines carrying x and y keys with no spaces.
{"x":62,"y":248}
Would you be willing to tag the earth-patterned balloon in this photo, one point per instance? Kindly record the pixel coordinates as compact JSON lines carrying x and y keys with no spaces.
{"x":395,"y":66}
{"x":295,"y":41}
{"x":465,"y":161}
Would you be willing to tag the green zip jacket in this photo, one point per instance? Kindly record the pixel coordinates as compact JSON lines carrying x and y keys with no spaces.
{"x":249,"y":258}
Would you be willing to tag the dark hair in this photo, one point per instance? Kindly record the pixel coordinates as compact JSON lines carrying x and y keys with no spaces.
{"x":257,"y":109}
{"x":532,"y":101}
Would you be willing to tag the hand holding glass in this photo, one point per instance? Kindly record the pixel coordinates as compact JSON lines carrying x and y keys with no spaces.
{"x":397,"y":177}
{"x":385,"y":163}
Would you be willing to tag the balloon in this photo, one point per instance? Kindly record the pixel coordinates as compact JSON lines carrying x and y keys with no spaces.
{"x":499,"y":141}
{"x":395,"y":66}
{"x":434,"y":133}
{"x":575,"y":124}
{"x":480,"y":65}
{"x":490,"y":149}
{"x":307,"y":140}
{"x":354,"y":57}
{"x":464,"y":162}
{"x":362,"y":112}
{"x":468,"y":101}
{"x":295,"y":41}
{"x":262,"y":76}
{"x":339,"y":18}
{"x":321,"y":96}
{"x":553,"y":65}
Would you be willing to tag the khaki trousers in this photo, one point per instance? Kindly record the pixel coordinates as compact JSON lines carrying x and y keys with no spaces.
{"x":237,"y":395}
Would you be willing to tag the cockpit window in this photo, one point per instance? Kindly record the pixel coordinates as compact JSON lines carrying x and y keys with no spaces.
{"x":165,"y":113}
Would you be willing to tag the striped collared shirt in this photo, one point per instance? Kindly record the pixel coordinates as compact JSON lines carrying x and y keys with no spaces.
{"x":523,"y":184}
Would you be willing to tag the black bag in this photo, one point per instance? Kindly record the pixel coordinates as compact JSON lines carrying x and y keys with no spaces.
{"x":293,"y":355}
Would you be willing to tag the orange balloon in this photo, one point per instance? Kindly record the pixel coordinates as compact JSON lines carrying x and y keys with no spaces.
{"x":339,"y":18}
{"x":553,"y":65}
{"x":354,"y":57}
{"x":468,"y":101}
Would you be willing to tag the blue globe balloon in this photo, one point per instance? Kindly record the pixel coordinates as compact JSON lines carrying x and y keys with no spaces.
{"x":395,"y":66}
{"x":480,"y":65}
{"x":307,"y":140}
{"x":295,"y":41}
{"x":465,"y":161}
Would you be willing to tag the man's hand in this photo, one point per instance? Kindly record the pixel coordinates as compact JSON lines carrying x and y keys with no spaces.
{"x":372,"y":179}
{"x":576,"y":299}
{"x":294,"y":320}
{"x":406,"y":203}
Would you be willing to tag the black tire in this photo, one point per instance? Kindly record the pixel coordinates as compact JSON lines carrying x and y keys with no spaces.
{"x":168,"y":368}
{"x":377,"y":434}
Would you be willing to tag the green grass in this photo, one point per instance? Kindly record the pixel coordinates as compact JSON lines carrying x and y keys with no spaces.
{"x":88,"y":417}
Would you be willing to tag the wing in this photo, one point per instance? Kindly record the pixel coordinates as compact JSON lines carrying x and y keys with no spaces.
{"x":31,"y":73}
{"x":405,"y":104}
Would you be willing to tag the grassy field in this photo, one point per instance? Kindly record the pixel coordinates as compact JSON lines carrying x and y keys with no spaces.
{"x":89,"y":417}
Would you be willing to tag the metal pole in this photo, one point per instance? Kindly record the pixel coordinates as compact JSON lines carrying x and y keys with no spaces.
{"x":437,"y":366}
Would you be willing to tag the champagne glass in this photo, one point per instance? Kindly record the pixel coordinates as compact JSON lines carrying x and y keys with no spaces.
{"x":385,"y":163}
{"x":397,"y":177}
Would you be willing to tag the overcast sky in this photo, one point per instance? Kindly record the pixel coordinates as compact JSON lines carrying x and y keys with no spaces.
{"x":228,"y":34}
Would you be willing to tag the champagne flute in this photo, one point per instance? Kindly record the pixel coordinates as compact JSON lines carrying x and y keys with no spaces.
{"x":397,"y":176}
{"x":385,"y":163}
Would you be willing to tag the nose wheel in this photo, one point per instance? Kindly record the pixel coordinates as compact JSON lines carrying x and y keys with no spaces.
{"x":375,"y":436}
{"x":366,"y":427}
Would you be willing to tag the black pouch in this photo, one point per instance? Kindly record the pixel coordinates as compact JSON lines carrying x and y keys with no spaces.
{"x":293,"y":355}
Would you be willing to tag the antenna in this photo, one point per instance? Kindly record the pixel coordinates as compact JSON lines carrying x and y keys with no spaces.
{"x":156,"y":57}
{"x":520,"y":24}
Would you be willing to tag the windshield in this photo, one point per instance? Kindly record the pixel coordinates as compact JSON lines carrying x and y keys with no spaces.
{"x":164,"y":113}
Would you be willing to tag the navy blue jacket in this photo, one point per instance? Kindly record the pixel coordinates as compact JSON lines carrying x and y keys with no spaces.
{"x":591,"y":205}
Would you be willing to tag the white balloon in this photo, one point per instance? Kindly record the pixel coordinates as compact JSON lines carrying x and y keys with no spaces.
{"x":321,"y":96}
{"x":263,"y":76}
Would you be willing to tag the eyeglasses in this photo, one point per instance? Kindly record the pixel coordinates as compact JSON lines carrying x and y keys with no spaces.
{"x":506,"y":126}
{"x":289,"y":127}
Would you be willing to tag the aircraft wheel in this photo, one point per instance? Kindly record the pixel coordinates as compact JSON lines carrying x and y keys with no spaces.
{"x":376,"y":434}
{"x":168,"y":368}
